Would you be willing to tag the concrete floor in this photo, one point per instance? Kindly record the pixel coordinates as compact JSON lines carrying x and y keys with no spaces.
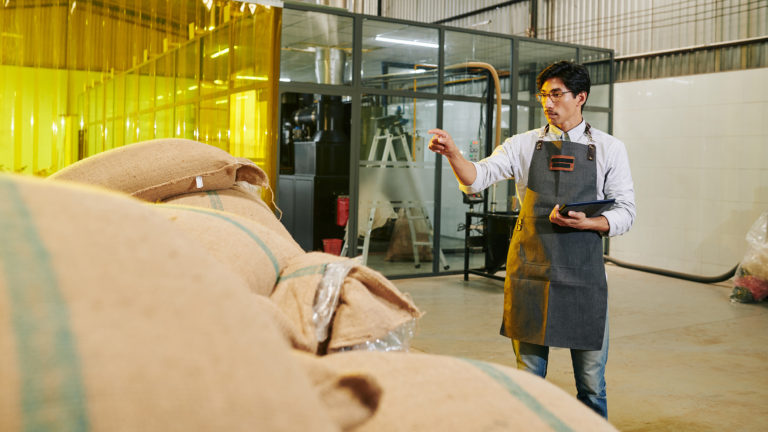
{"x":682,"y":356}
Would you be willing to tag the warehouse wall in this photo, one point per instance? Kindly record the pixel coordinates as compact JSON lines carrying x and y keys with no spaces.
{"x":626,"y":26}
{"x":698,"y":147}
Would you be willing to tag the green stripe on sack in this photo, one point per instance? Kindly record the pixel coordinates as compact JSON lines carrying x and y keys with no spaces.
{"x":520,"y":394}
{"x":240,"y":226}
{"x":215,"y":200}
{"x":304,"y":271}
{"x":52,"y":393}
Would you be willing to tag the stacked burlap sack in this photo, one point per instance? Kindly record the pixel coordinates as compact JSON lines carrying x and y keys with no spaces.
{"x":142,"y":316}
{"x":215,"y":199}
{"x":115,"y":320}
{"x":424,"y":392}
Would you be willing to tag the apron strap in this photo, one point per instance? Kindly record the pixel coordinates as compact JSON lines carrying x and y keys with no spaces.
{"x":591,"y":148}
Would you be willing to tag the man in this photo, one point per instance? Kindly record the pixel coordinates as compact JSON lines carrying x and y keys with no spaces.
{"x":555,"y":293}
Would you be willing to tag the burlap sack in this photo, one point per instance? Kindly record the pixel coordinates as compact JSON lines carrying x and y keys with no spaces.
{"x":349,"y":397}
{"x":241,"y":199}
{"x":401,"y":243}
{"x":112,"y":320}
{"x":158,"y":169}
{"x":370,"y":306}
{"x":424,"y":392}
{"x":246,"y":247}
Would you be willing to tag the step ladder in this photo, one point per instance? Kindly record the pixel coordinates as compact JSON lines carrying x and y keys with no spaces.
{"x":393,"y":138}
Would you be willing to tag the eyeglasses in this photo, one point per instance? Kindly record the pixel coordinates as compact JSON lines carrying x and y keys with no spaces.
{"x":555,"y":95}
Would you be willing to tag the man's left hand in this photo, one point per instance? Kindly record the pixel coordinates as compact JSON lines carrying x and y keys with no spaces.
{"x":579,"y":220}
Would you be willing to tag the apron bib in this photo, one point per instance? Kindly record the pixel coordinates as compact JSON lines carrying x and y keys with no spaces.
{"x":555,"y":293}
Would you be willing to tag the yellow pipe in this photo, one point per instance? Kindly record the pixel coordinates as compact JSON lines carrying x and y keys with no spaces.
{"x":497,"y":87}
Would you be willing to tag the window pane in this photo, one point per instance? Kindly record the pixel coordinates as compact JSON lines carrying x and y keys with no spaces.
{"x":396,"y":189}
{"x":535,"y":56}
{"x":598,"y":64}
{"x":597,"y":120}
{"x":316,"y":47}
{"x":399,"y":56}
{"x":461,"y":48}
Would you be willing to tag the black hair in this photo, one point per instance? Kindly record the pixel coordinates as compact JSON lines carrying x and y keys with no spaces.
{"x":574,"y":76}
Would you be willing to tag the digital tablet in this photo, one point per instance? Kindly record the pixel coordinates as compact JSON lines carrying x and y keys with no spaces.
{"x":590,"y":208}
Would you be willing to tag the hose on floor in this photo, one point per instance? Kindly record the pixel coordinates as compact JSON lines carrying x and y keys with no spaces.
{"x":689,"y":277}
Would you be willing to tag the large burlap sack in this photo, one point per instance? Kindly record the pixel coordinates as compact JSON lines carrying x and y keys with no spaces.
{"x":401,"y":243}
{"x":241,"y":199}
{"x":247,"y":248}
{"x":350,"y":397}
{"x":112,"y":320}
{"x":158,"y":169}
{"x":369,"y":306}
{"x":424,"y":392}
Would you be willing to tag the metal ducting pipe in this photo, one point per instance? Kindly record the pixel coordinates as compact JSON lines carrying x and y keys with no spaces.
{"x":330,"y":64}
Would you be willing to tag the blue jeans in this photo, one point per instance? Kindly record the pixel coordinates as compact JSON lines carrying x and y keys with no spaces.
{"x":588,"y":370}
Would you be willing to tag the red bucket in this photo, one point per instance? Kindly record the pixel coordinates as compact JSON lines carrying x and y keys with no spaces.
{"x":332,"y":246}
{"x":342,"y":210}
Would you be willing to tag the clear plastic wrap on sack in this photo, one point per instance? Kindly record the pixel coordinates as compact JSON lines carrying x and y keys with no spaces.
{"x":327,"y":295}
{"x":326,"y":303}
{"x":398,"y":339}
{"x":750,"y":283}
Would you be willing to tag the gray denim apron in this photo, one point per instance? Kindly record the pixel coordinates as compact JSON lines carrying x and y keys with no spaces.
{"x":555,"y":293}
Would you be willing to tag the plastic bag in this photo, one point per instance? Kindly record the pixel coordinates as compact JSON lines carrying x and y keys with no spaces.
{"x":327,"y":300}
{"x":327,"y":295}
{"x":398,"y":339}
{"x":750,"y":283}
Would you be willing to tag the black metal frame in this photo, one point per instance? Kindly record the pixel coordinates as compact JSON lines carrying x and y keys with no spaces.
{"x":355,"y":90}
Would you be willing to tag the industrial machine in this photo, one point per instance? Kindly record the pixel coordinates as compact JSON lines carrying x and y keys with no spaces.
{"x":314,"y":166}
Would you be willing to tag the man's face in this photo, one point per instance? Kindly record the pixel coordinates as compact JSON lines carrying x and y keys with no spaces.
{"x":564,"y":113}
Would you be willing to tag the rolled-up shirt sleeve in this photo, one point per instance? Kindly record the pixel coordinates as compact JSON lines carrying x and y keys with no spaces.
{"x":500,"y":165}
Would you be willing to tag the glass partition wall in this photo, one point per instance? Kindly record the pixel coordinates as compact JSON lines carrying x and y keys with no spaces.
{"x":364,"y":91}
{"x":342,"y":133}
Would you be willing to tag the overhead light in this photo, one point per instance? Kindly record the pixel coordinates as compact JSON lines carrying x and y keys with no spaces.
{"x":406,"y":42}
{"x":285,"y":80}
{"x":219,"y":102}
{"x":267,"y":3}
{"x":220,"y":53}
{"x":252,"y":78}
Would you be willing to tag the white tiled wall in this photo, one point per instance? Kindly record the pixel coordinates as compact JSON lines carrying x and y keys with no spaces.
{"x":698,"y":148}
